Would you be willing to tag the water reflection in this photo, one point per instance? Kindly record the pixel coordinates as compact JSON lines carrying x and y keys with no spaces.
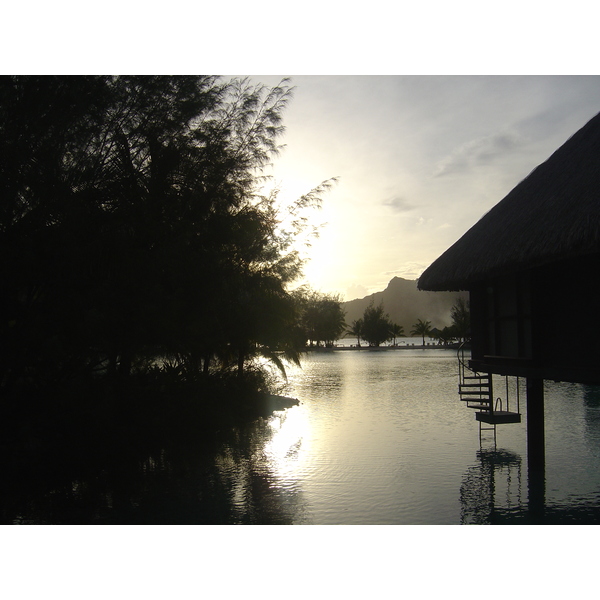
{"x":497,"y":491}
{"x":591,"y":400}
{"x":493,"y":485}
{"x":245,"y":477}
{"x":287,"y":448}
{"x":258,"y":471}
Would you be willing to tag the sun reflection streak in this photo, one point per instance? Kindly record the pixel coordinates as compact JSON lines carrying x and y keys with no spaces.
{"x":287,"y":450}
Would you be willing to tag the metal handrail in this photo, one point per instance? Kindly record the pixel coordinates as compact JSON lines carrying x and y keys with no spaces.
{"x":460,"y":354}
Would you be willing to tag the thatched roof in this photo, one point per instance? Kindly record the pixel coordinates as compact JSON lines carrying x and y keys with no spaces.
{"x":554,"y":213}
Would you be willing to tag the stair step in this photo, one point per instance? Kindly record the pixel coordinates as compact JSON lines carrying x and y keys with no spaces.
{"x":473,"y":392}
{"x":480,"y":406}
{"x":472,"y":385}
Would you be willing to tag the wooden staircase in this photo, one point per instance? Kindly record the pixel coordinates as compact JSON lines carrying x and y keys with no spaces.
{"x":476,"y":390}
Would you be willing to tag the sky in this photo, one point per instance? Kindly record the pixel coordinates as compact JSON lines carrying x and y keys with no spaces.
{"x":419,"y":160}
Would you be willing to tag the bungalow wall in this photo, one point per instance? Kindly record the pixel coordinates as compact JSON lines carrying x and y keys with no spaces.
{"x":541,"y":322}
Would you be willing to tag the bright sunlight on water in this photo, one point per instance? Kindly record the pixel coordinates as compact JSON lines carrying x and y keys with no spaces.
{"x":384,"y":436}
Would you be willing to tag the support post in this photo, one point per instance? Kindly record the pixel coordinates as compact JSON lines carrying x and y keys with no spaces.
{"x":536,"y":453}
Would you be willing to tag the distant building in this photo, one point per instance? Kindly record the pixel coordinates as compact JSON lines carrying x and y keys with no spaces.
{"x":531,"y":267}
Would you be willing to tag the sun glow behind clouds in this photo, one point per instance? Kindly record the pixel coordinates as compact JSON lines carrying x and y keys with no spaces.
{"x":419,"y":161}
{"x":319,"y":243}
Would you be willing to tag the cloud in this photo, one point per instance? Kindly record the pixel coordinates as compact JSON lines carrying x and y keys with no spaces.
{"x":409,"y":270}
{"x":480,"y":151}
{"x":398,"y":204}
{"x":356,"y":291}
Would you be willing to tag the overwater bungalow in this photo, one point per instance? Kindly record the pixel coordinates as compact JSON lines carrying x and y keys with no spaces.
{"x":530,"y":266}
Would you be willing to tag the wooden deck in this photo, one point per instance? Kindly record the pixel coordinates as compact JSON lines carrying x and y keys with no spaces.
{"x":497,"y":417}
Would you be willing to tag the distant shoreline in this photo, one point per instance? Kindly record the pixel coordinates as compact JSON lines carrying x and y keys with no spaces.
{"x":452,"y":347}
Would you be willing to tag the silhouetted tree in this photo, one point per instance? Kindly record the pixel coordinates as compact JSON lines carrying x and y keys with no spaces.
{"x":356,"y":329}
{"x":133,"y":226}
{"x":421,"y":328}
{"x":322,"y":317}
{"x":461,"y":319}
{"x":376,"y":325}
{"x":396,"y":331}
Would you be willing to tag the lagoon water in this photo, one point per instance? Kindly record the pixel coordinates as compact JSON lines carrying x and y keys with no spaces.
{"x":381,"y":437}
{"x":378,"y":437}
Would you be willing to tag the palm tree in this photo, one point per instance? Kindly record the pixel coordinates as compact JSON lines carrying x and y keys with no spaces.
{"x":356,"y":329}
{"x":461,"y":319}
{"x":421,"y":328}
{"x":396,"y":331}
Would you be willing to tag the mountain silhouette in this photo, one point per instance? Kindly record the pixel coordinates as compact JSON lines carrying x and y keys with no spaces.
{"x":405,"y":304}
